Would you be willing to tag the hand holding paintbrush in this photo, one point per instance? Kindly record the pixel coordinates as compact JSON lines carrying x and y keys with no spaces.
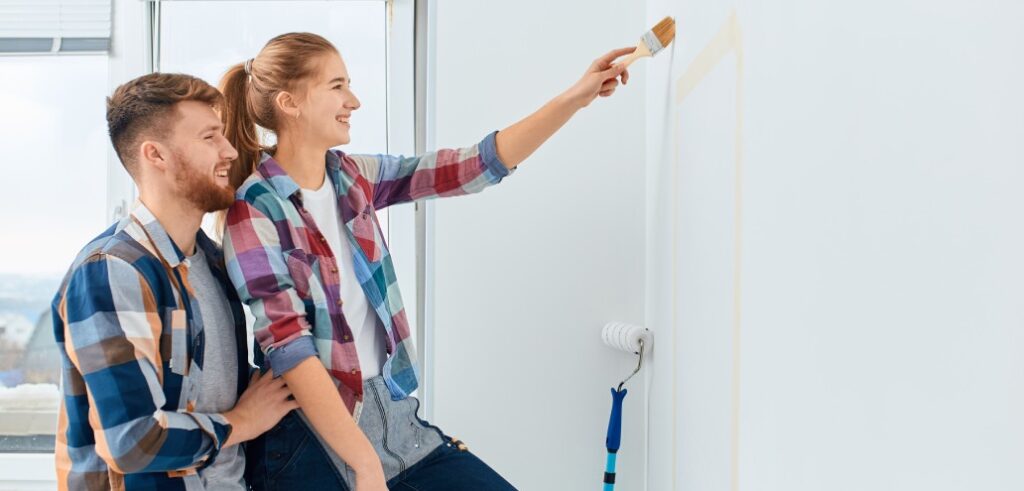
{"x":601,"y":79}
{"x":516,"y":142}
{"x":604,"y":74}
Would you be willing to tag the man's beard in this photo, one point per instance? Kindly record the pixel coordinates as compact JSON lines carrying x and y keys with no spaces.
{"x":201,"y":190}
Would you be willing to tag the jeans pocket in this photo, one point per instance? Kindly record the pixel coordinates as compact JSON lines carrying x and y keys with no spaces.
{"x":281,"y":459}
{"x":294,"y":459}
{"x":425,"y":432}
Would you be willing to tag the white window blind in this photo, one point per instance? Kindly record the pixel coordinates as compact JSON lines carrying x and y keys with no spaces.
{"x":54,"y":26}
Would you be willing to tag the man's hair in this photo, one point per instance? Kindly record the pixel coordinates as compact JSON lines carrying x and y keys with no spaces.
{"x":145,"y":107}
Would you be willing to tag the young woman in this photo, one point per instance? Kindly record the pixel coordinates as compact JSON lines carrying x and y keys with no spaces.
{"x":306,"y":253}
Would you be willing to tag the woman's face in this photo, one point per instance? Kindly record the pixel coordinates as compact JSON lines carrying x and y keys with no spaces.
{"x":327,"y":108}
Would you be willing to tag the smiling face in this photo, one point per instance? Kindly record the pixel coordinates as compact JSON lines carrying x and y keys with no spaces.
{"x":326,"y":109}
{"x":201,"y":157}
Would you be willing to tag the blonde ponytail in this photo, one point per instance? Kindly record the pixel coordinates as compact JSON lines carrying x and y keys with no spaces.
{"x":249,"y":90}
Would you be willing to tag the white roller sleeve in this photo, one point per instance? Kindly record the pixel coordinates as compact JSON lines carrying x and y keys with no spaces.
{"x":626,"y":337}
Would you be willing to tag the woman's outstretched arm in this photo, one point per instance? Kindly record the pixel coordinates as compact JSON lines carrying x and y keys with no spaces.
{"x":519,"y":141}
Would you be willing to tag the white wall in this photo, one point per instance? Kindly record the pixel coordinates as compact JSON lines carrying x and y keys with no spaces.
{"x":527,"y":273}
{"x":834,"y":246}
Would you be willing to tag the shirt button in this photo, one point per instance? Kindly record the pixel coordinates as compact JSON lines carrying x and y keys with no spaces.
{"x":345,"y":337}
{"x":323,"y":239}
{"x":334,"y":270}
{"x":341,"y":302}
{"x":354,"y":371}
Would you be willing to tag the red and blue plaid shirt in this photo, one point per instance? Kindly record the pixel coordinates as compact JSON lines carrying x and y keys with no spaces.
{"x":284,"y":270}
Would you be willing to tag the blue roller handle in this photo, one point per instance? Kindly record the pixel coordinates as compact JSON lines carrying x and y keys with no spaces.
{"x":614,"y":437}
{"x":615,"y":421}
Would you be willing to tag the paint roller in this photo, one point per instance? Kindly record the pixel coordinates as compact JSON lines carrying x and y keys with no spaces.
{"x":630,"y":339}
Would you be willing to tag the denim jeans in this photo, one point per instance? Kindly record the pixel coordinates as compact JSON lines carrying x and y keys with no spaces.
{"x":415,"y":455}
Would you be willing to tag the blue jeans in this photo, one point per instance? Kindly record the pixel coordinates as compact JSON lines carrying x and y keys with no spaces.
{"x":290,"y":457}
{"x":450,"y":469}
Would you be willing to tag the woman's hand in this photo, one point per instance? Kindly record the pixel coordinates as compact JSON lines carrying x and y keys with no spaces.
{"x":601,"y":79}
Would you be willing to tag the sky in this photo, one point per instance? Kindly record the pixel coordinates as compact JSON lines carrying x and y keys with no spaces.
{"x":54,"y":163}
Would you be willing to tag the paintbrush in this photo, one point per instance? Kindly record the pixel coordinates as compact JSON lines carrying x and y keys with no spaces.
{"x":652,"y":41}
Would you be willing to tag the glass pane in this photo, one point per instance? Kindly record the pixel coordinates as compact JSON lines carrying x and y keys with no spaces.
{"x":55,"y":201}
{"x":204,"y":38}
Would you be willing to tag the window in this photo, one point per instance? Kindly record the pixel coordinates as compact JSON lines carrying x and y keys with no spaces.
{"x":54,"y":202}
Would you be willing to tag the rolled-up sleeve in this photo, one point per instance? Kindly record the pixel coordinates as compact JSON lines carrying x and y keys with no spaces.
{"x":259,"y":271}
{"x":442,"y":173}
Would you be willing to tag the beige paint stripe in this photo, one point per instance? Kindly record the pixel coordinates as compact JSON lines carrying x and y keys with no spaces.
{"x":724,"y":41}
{"x":729,"y":38}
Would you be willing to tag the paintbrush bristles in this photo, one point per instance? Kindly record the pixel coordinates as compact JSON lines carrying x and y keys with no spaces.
{"x":665,"y":31}
{"x":652,"y":41}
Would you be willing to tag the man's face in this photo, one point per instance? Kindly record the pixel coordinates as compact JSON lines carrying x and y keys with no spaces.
{"x":201,"y":158}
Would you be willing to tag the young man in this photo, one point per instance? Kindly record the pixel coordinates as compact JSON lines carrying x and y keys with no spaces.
{"x":156,"y":387}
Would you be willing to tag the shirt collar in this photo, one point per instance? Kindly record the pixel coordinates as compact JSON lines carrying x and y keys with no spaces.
{"x":157,"y":234}
{"x":282,"y":183}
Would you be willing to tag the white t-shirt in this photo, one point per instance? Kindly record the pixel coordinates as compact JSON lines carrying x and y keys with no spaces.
{"x":370,"y":344}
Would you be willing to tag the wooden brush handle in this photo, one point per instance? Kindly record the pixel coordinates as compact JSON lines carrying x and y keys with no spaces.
{"x":641,"y":52}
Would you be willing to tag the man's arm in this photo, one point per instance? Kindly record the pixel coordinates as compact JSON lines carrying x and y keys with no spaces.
{"x":112,"y":334}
